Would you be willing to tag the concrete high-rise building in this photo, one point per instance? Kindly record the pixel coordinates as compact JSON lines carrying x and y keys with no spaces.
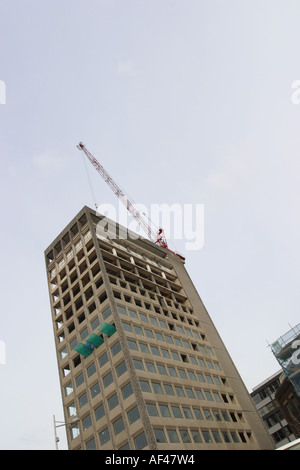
{"x":264,"y":398}
{"x":141,"y":364}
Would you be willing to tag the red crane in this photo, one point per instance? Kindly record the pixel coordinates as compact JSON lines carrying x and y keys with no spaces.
{"x":159,"y":237}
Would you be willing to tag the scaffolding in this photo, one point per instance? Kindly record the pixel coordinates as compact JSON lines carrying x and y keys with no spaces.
{"x":286,"y":353}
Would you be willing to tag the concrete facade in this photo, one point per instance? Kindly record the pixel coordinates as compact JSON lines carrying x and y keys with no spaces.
{"x":163,"y":379}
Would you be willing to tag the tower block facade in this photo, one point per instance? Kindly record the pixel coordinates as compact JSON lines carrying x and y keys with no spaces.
{"x":141,"y":364}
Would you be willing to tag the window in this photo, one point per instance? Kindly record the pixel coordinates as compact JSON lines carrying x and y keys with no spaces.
{"x":200,"y":377}
{"x":91,"y":369}
{"x":87,"y":422}
{"x":144,"y":348}
{"x":175,"y":356}
{"x":126,"y":326}
{"x":143,"y":317}
{"x":149,"y":333}
{"x":79,"y":380}
{"x":217,"y":380}
{"x":125,"y":447}
{"x":189,"y":392}
{"x":207,"y":415}
{"x":63,"y":353}
{"x":164,"y":410}
{"x":169,"y":390}
{"x":216,"y":437}
{"x":207,"y":437}
{"x":184,"y":434}
{"x":226,"y":436}
{"x":208,"y":379}
{"x":99,"y":412}
{"x":83,"y":400}
{"x":95,"y":323}
{"x":132,"y":345}
{"x":199,"y":394}
{"x":179,"y":391}
{"x":169,"y":339}
{"x":108,"y":379}
{"x":145,"y":386}
{"x":155,"y":350}
{"x":113,"y":401}
{"x":104,"y":436}
{"x":116,"y":348}
{"x":182,"y":373}
{"x":152,"y":410}
{"x":91,"y":445}
{"x":133,"y":314}
{"x":121,"y":369}
{"x":165,"y":353}
{"x":127,"y":390}
{"x":68,"y":389}
{"x":208,"y":395}
{"x":150,"y":367}
{"x":95,"y":390}
{"x":187,"y":413}
{"x":234,"y":436}
{"x":133,"y":415}
{"x":156,"y":387}
{"x":159,"y":336}
{"x":140,"y":441}
{"x":225,"y":416}
{"x":71,"y":410}
{"x":160,"y":435}
{"x":121,"y":310}
{"x":173,"y":436}
{"x":118,"y":426}
{"x":197,"y":413}
{"x":217,"y":415}
{"x":106,"y":313}
{"x":74,"y":431}
{"x":84,"y":333}
{"x":176,"y":412}
{"x":196,"y":436}
{"x":172,"y":371}
{"x":161,"y":369}
{"x":138,"y":330}
{"x":191,"y":375}
{"x":103,"y":359}
{"x":138,"y":364}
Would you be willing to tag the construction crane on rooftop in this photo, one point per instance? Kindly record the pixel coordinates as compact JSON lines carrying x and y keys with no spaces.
{"x":159,"y":237}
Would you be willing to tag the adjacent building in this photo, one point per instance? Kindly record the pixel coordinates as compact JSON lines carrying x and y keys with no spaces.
{"x":264,"y":398}
{"x":141,"y":364}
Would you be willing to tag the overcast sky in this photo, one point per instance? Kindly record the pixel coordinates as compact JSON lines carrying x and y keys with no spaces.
{"x":186,"y":102}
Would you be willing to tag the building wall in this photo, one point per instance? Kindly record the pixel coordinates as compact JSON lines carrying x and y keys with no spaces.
{"x":289,"y":404}
{"x":152,"y":307}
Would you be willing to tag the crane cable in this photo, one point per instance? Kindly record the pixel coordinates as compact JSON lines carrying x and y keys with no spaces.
{"x":89,"y":181}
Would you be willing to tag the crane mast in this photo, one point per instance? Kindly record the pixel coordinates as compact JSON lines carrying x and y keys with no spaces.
{"x":159,"y":237}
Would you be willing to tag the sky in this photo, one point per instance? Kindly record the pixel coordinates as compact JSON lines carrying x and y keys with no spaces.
{"x":183,"y":102}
